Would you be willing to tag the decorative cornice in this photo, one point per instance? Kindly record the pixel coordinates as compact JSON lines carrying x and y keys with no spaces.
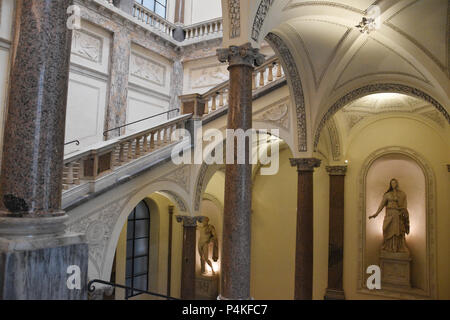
{"x":336,"y":170}
{"x":296,"y":85}
{"x":305,"y":164}
{"x":189,"y":221}
{"x":241,"y":55}
{"x":260,"y":16}
{"x":376,"y":88}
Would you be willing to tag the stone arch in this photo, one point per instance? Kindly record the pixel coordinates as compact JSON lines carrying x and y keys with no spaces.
{"x":371,"y":89}
{"x":205,"y":173}
{"x":430,"y":186}
{"x":118,"y":219}
{"x":295,"y":86}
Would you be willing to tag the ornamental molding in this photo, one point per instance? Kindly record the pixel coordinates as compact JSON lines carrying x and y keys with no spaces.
{"x":180,"y":176}
{"x":241,"y":55}
{"x":98,"y":227}
{"x":147,"y":69}
{"x":87,"y":45}
{"x":261,"y":14}
{"x":334,"y":139}
{"x":430,"y":187}
{"x":376,"y":88}
{"x":277,"y":114}
{"x":234,"y":13}
{"x":296,"y":87}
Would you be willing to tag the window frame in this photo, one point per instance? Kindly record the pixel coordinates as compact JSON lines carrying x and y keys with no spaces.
{"x":141,"y":2}
{"x":133,"y":257}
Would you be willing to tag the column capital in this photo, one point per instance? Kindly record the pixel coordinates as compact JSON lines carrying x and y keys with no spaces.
{"x":336,"y":170}
{"x":189,"y":221}
{"x":241,"y":55}
{"x":171,"y":209}
{"x":305,"y":164}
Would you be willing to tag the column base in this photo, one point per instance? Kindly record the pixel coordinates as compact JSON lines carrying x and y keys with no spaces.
{"x":333,"y":294}
{"x":16,"y":227}
{"x":36,"y":268}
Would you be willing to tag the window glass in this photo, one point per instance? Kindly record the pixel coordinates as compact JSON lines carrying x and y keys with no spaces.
{"x":137,"y":256}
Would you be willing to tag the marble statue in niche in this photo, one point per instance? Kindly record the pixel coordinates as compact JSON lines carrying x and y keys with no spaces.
{"x":395,"y":258}
{"x":207,"y":236}
{"x":396,"y":219}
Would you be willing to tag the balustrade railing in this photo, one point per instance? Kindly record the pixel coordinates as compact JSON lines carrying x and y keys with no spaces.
{"x":150,"y":18}
{"x":217,"y":97}
{"x":105,"y":157}
{"x":204,"y":29}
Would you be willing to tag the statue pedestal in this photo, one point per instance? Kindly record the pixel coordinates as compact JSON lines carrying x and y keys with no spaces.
{"x":206,"y":287}
{"x":395,"y":269}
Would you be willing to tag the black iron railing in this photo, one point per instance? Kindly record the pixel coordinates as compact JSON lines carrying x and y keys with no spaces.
{"x":91,"y":289}
{"x":74,"y":141}
{"x":134,"y":122}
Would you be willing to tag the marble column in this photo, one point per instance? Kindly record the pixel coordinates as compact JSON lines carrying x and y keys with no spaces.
{"x":304,"y":244}
{"x":118,"y":83}
{"x":188,"y":260}
{"x":125,"y":5}
{"x":35,"y":253}
{"x":235,"y":262}
{"x":335,"y":290}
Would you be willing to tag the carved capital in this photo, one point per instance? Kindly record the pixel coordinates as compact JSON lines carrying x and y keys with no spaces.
{"x":243,"y":55}
{"x":336,"y":170}
{"x":189,"y":221}
{"x":305,"y":164}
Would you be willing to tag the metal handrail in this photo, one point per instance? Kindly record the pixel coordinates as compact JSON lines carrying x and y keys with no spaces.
{"x":134,"y":122}
{"x":91,"y":289}
{"x":77,"y":142}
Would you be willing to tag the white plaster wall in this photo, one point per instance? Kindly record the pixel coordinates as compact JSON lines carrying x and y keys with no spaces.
{"x":6,"y":18}
{"x":202,"y":10}
{"x":88,"y":86}
{"x":86,"y":108}
{"x":142,"y":105}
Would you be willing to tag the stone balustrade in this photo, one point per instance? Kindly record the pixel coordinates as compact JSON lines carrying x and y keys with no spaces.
{"x":217,"y":97}
{"x":105,"y":157}
{"x":200,"y":31}
{"x":150,"y":18}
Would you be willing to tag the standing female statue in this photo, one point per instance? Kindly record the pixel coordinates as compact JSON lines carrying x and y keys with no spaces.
{"x":396,"y":219}
{"x":207,"y":235}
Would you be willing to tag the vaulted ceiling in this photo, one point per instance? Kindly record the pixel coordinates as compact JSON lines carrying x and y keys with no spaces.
{"x":410,"y":47}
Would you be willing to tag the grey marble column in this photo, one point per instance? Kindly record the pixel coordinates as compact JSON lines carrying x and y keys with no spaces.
{"x":235,"y":262}
{"x":335,"y":289}
{"x":34,"y":251}
{"x":118,"y":84}
{"x":125,"y":5}
{"x":188,"y":260}
{"x":304,"y":245}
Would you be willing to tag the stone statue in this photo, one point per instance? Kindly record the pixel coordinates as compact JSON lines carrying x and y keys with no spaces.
{"x":396,"y":219}
{"x":207,"y":236}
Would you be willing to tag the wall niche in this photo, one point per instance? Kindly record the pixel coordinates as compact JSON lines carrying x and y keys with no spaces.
{"x":415,"y":179}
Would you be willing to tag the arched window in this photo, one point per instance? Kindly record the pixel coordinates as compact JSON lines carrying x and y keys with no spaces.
{"x":138,"y":242}
{"x":157,"y":6}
